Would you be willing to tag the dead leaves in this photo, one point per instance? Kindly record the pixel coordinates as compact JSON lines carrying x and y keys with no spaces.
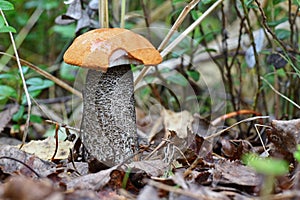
{"x":6,"y":115}
{"x":45,"y":149}
{"x":42,"y":167}
{"x":22,"y":188}
{"x":180,"y":164}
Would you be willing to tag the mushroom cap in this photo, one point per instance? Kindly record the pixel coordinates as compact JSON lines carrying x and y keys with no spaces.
{"x":103,"y":48}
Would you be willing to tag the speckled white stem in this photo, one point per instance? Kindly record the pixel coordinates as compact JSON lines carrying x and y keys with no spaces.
{"x":109,"y":124}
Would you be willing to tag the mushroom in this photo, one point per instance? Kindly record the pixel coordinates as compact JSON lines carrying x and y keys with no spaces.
{"x":108,"y":124}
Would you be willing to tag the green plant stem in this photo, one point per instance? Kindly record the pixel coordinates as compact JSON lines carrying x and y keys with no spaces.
{"x":123,"y":10}
{"x":103,"y":13}
{"x":23,"y":81}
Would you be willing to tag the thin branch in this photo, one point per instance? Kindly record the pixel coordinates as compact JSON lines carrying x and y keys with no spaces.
{"x":264,"y":23}
{"x":233,"y":125}
{"x":23,"y":81}
{"x":63,"y":125}
{"x":184,"y":34}
{"x":177,"y":23}
{"x":19,"y":161}
{"x":47,"y":75}
{"x":277,"y":92}
{"x":257,"y":65}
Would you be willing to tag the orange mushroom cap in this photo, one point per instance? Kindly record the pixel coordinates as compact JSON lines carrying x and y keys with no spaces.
{"x":101,"y":49}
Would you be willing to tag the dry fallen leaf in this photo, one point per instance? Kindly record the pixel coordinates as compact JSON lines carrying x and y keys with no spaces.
{"x":6,"y":115}
{"x":177,"y":122}
{"x":42,"y":167}
{"x":151,"y":167}
{"x":285,"y":134}
{"x":148,"y":191}
{"x":22,"y":188}
{"x":44,"y":149}
{"x":234,"y":172}
{"x":91,"y":181}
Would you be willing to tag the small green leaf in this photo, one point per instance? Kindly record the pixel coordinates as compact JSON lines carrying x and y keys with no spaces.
{"x":144,"y":93}
{"x":32,"y":94}
{"x":38,"y":84}
{"x":34,"y":81}
{"x":250,"y":4}
{"x":1,"y":22}
{"x":196,"y":14}
{"x":5,"y":5}
{"x":7,"y":91}
{"x":281,"y":73}
{"x":68,"y":72}
{"x":66,"y":31}
{"x":193,"y":74}
{"x":45,"y":84}
{"x":34,"y":118}
{"x":25,"y":69}
{"x":6,"y":29}
{"x":275,"y":2}
{"x":8,"y":76}
{"x":297,"y":153}
{"x":16,"y":127}
{"x":277,"y":22}
{"x":177,"y":79}
{"x":267,"y":166}
{"x":282,"y":34}
{"x":149,"y":79}
{"x":205,"y":2}
{"x":19,"y":115}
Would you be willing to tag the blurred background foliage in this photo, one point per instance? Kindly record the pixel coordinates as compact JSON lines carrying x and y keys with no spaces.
{"x":42,"y":40}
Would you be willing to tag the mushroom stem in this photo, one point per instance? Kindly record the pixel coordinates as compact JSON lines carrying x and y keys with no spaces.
{"x":108,"y":123}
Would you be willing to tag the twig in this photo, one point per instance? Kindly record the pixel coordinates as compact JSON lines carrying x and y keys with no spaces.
{"x":47,"y":75}
{"x":226,"y":65}
{"x":216,"y":121}
{"x":257,"y":65}
{"x":177,"y":190}
{"x":233,"y":125}
{"x":259,"y":135}
{"x":189,"y":170}
{"x":63,"y":125}
{"x":282,"y":95}
{"x":19,"y":161}
{"x":264,"y":23}
{"x":56,"y":142}
{"x":146,"y":14}
{"x":161,"y":144}
{"x":199,"y":159}
{"x":177,"y":23}
{"x":23,"y":81}
{"x":184,"y":34}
